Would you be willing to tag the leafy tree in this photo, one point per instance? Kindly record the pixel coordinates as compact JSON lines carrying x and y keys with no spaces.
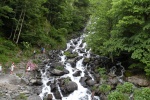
{"x":123,"y":27}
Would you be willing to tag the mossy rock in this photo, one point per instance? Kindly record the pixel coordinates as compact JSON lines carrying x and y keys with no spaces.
{"x":86,"y":60}
{"x":59,"y":68}
{"x":70,"y":55}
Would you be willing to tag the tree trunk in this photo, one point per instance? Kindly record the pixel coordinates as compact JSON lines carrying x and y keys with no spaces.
{"x":20,"y":28}
{"x":17,"y":25}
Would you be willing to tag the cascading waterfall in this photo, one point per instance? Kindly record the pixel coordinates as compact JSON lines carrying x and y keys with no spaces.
{"x":82,"y":93}
{"x":46,"y":89}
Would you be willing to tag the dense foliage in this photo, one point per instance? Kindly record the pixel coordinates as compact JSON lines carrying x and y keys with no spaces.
{"x":127,"y":91}
{"x":122,"y":27}
{"x":42,"y":22}
{"x":39,"y":23}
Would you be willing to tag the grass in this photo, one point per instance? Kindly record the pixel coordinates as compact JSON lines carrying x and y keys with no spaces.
{"x":21,"y":96}
{"x":59,"y":67}
{"x":10,"y":52}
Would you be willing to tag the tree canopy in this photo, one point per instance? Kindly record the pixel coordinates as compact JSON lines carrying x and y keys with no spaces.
{"x":122,"y":27}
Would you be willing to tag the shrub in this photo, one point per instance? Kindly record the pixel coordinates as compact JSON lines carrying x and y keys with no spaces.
{"x":142,"y":94}
{"x":104,"y":88}
{"x":102,"y":72}
{"x":9,"y":45}
{"x":125,"y":88}
{"x":117,"y":96}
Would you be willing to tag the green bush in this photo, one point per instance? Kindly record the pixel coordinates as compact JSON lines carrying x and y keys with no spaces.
{"x":125,"y":88}
{"x":104,"y":88}
{"x":117,"y":96}
{"x":102,"y":72}
{"x":142,"y":94}
{"x":9,"y":45}
{"x":2,"y":50}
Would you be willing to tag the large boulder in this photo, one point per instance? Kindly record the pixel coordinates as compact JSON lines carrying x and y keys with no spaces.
{"x":77,"y":73}
{"x":57,"y":72}
{"x":82,"y":81}
{"x":71,"y":86}
{"x":90,"y":82}
{"x":138,"y":80}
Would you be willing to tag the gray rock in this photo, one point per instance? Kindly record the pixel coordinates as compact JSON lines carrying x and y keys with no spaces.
{"x":90,"y":82}
{"x":57,"y":72}
{"x":24,"y":80}
{"x":71,"y":86}
{"x":82,"y":81}
{"x":33,"y":80}
{"x":49,"y":97}
{"x":66,"y":71}
{"x":34,"y":97}
{"x":137,"y":80}
{"x":77,"y":73}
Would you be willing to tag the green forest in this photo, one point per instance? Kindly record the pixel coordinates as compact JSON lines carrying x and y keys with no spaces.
{"x":28,"y":24}
{"x":121,"y":31}
{"x":121,"y":27}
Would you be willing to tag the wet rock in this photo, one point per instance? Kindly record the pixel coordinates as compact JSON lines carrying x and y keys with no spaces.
{"x":57,"y":72}
{"x":56,"y":64}
{"x":70,"y":55}
{"x":82,"y":81}
{"x":57,"y":95}
{"x":53,"y":87}
{"x":66,"y":71}
{"x":77,"y":73}
{"x":97,"y":78}
{"x":86,"y":60}
{"x":71,"y":86}
{"x":38,"y":82}
{"x":90,"y":82}
{"x":49,"y":97}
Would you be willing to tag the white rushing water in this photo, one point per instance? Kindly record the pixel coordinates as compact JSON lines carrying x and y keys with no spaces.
{"x":81,"y":93}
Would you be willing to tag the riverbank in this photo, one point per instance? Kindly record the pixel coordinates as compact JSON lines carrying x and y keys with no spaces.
{"x":21,"y":84}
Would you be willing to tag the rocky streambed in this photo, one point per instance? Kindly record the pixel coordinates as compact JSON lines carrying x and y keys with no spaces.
{"x":64,"y":74}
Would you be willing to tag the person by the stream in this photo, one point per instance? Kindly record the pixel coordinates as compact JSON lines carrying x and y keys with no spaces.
{"x":0,"y":68}
{"x":30,"y":66}
{"x":34,"y":52}
{"x":42,"y":50}
{"x":12,"y":68}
